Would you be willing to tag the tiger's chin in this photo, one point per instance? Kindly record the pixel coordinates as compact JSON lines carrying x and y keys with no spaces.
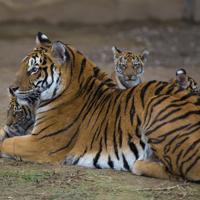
{"x":131,"y":83}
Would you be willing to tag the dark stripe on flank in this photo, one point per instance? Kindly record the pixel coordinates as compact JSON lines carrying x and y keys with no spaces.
{"x":191,"y":147}
{"x":163,"y":137}
{"x":144,"y":89}
{"x":159,"y":90}
{"x":174,"y":120}
{"x":133,"y":147}
{"x":129,"y":95}
{"x":68,"y":144}
{"x":82,"y":68}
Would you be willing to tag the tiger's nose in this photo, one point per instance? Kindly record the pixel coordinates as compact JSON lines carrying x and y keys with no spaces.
{"x":13,"y":88}
{"x":129,"y":77}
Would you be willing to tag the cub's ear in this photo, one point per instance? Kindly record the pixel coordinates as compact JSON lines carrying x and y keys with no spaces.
{"x":116,"y":52}
{"x":42,"y":39}
{"x":144,"y":55}
{"x":181,"y":77}
{"x":11,"y":92}
{"x":59,"y":52}
{"x":181,"y":71}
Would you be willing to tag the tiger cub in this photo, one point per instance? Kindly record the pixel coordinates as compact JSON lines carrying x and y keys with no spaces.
{"x":20,"y":118}
{"x":129,"y":67}
{"x":186,"y":82}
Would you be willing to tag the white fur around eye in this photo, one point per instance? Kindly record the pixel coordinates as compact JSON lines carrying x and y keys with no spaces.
{"x":33,"y":62}
{"x":37,"y":60}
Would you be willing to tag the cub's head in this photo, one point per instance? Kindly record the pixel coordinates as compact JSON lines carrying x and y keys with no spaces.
{"x":42,"y":73}
{"x":129,"y":67}
{"x":20,"y":118}
{"x":186,"y":82}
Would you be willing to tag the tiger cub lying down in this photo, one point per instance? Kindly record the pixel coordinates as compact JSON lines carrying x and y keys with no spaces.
{"x":186,"y":82}
{"x":129,"y":67}
{"x":20,"y":118}
{"x":82,"y":120}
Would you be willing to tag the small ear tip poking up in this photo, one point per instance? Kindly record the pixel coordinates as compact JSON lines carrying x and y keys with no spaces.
{"x":116,"y":50}
{"x":180,"y":71}
{"x":41,"y":39}
{"x":146,"y":52}
{"x":144,"y":55}
{"x":113,"y":48}
{"x":11,"y":92}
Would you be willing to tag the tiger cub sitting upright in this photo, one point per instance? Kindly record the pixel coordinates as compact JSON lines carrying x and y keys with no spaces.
{"x":186,"y":82}
{"x":129,"y":67}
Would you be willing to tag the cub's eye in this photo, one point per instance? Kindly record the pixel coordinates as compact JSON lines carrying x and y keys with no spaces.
{"x":139,"y":70}
{"x":122,"y":66}
{"x":137,"y":64}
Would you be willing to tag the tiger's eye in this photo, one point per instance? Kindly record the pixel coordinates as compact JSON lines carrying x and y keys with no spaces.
{"x":34,"y":70}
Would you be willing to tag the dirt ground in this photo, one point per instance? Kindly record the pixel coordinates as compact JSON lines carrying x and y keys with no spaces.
{"x":171,"y":46}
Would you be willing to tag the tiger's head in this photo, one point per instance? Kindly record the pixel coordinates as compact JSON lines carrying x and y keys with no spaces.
{"x":20,"y":118}
{"x":42,"y":73}
{"x":129,"y":67}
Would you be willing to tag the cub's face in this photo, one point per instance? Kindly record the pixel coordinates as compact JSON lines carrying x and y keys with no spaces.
{"x":129,"y":66}
{"x":20,"y":118}
{"x":40,"y":73}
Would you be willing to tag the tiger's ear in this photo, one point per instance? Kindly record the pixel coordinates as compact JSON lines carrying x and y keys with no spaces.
{"x":144,"y":55}
{"x":59,"y":52}
{"x":42,"y":39}
{"x":116,"y":52}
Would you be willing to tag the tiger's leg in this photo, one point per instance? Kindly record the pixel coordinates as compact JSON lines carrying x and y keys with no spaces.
{"x":26,"y":147}
{"x":151,"y":169}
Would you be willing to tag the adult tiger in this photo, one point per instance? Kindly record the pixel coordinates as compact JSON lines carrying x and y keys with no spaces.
{"x":86,"y":121}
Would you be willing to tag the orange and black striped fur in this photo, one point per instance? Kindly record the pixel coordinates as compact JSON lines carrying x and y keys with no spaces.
{"x":84,"y":120}
{"x":129,"y":67}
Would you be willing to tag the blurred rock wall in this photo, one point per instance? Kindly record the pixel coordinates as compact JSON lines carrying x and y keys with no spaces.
{"x":97,"y":11}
